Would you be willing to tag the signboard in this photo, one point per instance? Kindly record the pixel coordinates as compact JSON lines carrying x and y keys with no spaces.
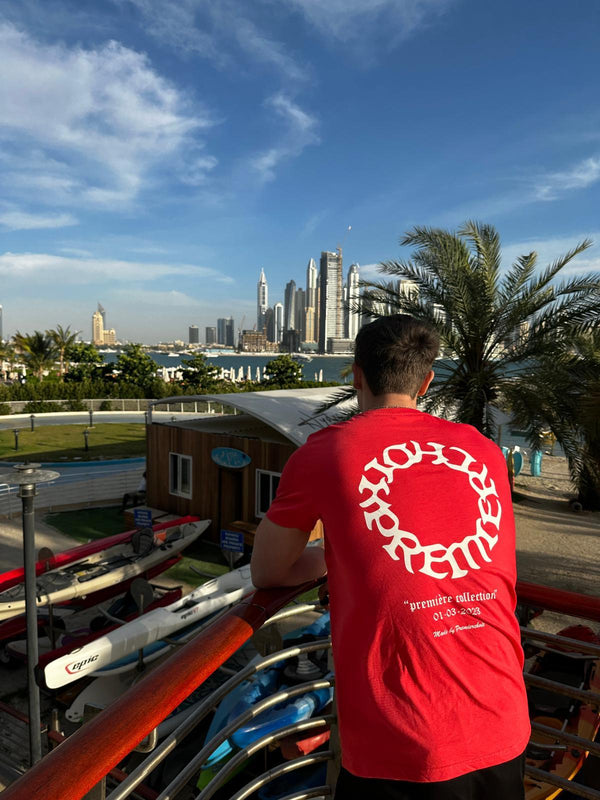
{"x":230,"y":457}
{"x":142,"y":517}
{"x":233,"y":541}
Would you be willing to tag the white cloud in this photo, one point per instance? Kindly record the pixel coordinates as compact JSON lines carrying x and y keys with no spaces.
{"x":49,"y":268}
{"x":96,"y":120}
{"x":360,"y":22}
{"x":21,"y":221}
{"x":580,"y":176}
{"x":149,"y":297}
{"x":370,"y":272}
{"x":549,"y":250}
{"x":300,"y":132}
{"x":214,"y":31}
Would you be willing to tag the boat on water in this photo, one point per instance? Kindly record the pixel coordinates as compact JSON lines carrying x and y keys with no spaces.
{"x":104,"y":568}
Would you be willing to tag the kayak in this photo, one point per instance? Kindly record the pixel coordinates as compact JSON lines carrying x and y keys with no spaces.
{"x":14,"y":576}
{"x":123,"y":608}
{"x":562,"y":713}
{"x":105,"y":568}
{"x":152,"y":627}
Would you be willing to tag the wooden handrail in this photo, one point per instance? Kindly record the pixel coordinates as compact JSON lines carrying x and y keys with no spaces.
{"x":578,"y":605}
{"x":71,"y":770}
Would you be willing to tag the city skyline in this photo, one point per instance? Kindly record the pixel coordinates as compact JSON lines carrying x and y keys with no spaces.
{"x":159,"y":155}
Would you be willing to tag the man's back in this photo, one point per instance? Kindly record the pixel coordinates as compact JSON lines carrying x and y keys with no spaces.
{"x":420,"y":554}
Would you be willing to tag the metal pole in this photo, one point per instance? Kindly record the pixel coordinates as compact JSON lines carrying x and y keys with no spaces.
{"x":91,"y":413}
{"x":27,"y":492}
{"x":16,"y":433}
{"x":32,"y":418}
{"x":26,"y":476}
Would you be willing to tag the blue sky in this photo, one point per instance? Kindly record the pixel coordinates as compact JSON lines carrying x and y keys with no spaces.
{"x":155,"y":154}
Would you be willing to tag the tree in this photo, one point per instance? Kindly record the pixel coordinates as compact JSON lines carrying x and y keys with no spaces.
{"x":283,"y":372}
{"x":198,"y":375}
{"x":6,"y":355}
{"x":38,"y":351}
{"x":85,"y":362}
{"x":63,"y":338}
{"x":493,"y":327}
{"x":563,"y":395}
{"x":135,"y":366}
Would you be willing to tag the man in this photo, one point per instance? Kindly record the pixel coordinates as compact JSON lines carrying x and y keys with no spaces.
{"x":420,"y":558}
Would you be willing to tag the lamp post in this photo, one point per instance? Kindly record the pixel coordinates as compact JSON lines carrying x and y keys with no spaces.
{"x":16,"y":433}
{"x":26,"y":476}
{"x":32,"y":418}
{"x":91,"y":413}
{"x":86,"y":433}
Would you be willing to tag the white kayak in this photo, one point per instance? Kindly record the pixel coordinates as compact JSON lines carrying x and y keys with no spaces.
{"x":154,"y":626}
{"x":104,"y":568}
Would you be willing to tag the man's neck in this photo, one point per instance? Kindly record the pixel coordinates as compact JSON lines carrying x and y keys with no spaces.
{"x":371,"y":402}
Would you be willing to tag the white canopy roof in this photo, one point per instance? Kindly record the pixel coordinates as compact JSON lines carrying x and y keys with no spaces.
{"x":283,"y":409}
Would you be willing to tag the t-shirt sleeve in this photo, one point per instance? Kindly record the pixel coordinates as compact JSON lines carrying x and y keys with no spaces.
{"x":295,"y":503}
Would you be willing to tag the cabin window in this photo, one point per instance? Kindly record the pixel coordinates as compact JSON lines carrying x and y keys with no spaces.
{"x":266,"y":487}
{"x":180,"y":475}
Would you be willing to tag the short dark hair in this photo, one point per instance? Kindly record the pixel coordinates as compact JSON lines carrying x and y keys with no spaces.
{"x":395,"y":354}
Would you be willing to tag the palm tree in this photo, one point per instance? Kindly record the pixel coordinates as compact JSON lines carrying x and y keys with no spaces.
{"x":492,"y":326}
{"x":38,"y":351}
{"x":6,"y":354}
{"x":564,"y":395}
{"x":63,"y":338}
{"x":504,"y":334}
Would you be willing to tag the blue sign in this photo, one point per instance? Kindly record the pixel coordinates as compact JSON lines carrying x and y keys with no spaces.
{"x":230,"y":457}
{"x":142,"y":517}
{"x":232,"y":541}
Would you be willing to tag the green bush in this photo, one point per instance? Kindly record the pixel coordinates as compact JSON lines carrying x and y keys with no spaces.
{"x":4,"y":409}
{"x":105,"y":405}
{"x":75,"y":405}
{"x":41,"y":407}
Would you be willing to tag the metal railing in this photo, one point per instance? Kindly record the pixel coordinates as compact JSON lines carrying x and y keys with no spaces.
{"x":89,"y":754}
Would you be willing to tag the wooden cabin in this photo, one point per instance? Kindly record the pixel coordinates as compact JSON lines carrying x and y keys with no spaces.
{"x":226,"y":467}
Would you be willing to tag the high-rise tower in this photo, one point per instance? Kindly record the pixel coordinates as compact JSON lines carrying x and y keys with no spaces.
{"x":352,"y":298}
{"x":278,"y":310}
{"x":311,"y":316}
{"x":262,"y":300}
{"x":97,"y":328}
{"x":289,"y":306}
{"x":331,"y":312}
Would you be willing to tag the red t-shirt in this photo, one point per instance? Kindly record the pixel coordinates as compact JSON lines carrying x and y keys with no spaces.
{"x":420,"y":552}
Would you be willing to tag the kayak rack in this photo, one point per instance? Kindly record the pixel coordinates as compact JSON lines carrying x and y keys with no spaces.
{"x":88,"y":755}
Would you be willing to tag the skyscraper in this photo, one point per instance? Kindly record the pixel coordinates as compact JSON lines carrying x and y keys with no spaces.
{"x":103,"y":312}
{"x":352,"y":299}
{"x":229,"y":332}
{"x":278,"y":310}
{"x":331,"y":313}
{"x":289,"y":306}
{"x":311,"y":332}
{"x":193,"y":334}
{"x":210,"y":335}
{"x":299,"y":316}
{"x":97,"y":328}
{"x":262,"y":300}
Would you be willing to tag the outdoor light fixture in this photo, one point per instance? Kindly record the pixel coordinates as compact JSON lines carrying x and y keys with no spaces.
{"x":32,"y":418}
{"x":86,"y":433}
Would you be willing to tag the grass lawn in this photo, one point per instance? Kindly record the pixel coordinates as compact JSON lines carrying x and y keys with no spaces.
{"x":66,"y":442}
{"x":95,"y":523}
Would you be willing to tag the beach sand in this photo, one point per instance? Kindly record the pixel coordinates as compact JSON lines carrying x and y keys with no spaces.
{"x":555,"y":545}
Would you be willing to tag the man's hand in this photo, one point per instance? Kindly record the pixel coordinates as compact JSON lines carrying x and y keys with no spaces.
{"x":280,"y":557}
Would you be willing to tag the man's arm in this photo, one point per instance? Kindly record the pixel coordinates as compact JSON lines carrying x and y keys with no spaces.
{"x":280,"y":557}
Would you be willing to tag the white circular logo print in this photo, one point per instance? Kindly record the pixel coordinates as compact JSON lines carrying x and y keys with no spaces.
{"x":474,"y":547}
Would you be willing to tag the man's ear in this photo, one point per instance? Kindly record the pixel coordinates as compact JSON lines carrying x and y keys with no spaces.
{"x":426,"y":382}
{"x":357,"y":376}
